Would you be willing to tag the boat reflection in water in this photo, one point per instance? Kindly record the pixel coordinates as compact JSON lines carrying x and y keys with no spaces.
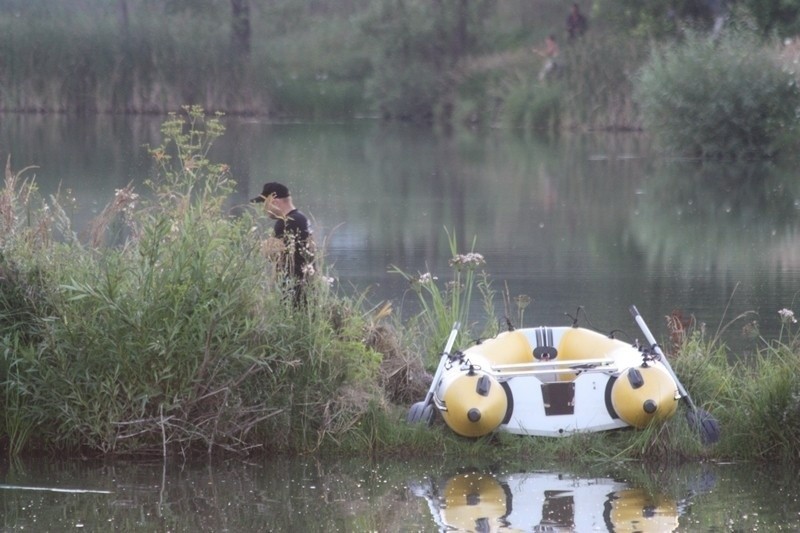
{"x":483,"y":502}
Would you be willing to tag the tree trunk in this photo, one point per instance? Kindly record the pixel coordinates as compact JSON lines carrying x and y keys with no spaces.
{"x":461,"y":39}
{"x":122,"y":16}
{"x":240,"y":28}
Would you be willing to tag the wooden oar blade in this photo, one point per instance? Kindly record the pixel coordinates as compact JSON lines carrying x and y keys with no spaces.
{"x":706,"y":425}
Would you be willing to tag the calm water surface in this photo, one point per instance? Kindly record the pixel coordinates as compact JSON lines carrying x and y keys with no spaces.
{"x":391,"y":496}
{"x":595,"y":221}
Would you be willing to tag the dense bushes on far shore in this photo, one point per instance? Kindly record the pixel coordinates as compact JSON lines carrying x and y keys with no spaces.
{"x":453,"y":63}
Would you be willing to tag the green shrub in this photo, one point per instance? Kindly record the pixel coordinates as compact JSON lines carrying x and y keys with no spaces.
{"x":724,"y":98}
{"x":593,"y":89}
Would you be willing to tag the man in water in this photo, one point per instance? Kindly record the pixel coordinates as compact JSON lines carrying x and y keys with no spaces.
{"x":291,"y":244}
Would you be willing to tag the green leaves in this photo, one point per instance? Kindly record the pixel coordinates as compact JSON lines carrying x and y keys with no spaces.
{"x":726,"y":98}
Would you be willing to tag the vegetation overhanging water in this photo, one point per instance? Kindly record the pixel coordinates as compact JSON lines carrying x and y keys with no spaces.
{"x":161,"y":346}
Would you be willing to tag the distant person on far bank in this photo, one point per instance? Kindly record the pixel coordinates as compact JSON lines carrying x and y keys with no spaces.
{"x":576,"y":22}
{"x":292,"y":244}
{"x":550,"y":54}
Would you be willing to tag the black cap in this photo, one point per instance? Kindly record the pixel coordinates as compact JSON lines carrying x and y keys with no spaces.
{"x":273,"y":187}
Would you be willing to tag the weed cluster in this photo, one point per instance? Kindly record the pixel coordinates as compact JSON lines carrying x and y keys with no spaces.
{"x":170,"y":331}
{"x":447,"y":303}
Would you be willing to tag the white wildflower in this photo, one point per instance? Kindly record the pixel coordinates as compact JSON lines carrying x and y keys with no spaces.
{"x":787,"y":316}
{"x":471,"y":259}
{"x":427,"y":277}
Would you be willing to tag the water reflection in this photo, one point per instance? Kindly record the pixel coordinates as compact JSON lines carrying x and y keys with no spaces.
{"x":546,"y":501}
{"x":720,"y":217}
{"x":738,"y":225}
{"x":390,"y":495}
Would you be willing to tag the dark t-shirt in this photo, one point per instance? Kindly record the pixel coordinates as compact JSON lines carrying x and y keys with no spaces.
{"x":295,"y":232}
{"x":576,"y":25}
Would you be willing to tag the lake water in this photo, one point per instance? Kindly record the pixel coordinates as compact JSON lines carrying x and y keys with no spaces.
{"x":597,"y":221}
{"x":391,"y":496}
{"x":592,"y":220}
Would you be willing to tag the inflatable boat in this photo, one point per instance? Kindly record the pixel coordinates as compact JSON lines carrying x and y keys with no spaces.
{"x":550,"y":381}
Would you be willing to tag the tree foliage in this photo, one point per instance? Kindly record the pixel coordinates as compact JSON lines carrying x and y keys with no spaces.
{"x":724,"y":98}
{"x":416,"y":45}
{"x":780,"y":16}
{"x":657,"y":18}
{"x":654,"y":18}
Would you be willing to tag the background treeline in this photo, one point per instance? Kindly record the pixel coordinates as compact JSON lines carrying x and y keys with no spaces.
{"x":452,"y":61}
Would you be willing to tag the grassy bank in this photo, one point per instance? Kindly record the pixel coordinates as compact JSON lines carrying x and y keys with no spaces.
{"x":168,"y":332}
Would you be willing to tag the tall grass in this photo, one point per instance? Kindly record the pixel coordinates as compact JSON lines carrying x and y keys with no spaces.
{"x":599,"y":81}
{"x":530,"y":105}
{"x":764,"y":407}
{"x":168,"y":332}
{"x":178,"y":337}
{"x":307,"y":59}
{"x":447,"y":302}
{"x":756,"y":397}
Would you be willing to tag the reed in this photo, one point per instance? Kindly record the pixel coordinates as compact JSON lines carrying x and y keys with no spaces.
{"x":598,"y":81}
{"x":86,"y":60}
{"x":532,"y":106}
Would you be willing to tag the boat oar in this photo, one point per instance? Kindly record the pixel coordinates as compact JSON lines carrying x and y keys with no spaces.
{"x":423,"y":411}
{"x":699,"y":419}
